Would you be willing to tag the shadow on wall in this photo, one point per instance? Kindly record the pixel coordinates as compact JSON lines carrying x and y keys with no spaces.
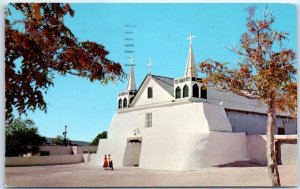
{"x":216,"y":148}
{"x":256,"y":148}
{"x":215,"y":115}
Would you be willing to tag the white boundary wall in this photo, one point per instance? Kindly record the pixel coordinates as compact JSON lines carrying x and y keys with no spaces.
{"x":43,"y":160}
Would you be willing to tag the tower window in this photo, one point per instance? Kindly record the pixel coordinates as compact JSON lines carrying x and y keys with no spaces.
{"x":120,"y":104}
{"x":150,"y":92}
{"x":178,"y":93}
{"x":148,"y":120}
{"x":203,"y":92}
{"x":195,"y":91}
{"x":125,"y":103}
{"x":185,"y":91}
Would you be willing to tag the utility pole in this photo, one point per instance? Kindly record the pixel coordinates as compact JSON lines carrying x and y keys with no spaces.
{"x":65,"y":136}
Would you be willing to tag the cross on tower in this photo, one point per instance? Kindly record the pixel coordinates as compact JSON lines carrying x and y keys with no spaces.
{"x":131,"y":61}
{"x":149,"y":65}
{"x":190,"y":38}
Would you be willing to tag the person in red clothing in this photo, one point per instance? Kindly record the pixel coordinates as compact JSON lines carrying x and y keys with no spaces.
{"x":105,"y":164}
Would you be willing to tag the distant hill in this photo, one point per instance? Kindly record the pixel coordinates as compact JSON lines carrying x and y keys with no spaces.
{"x":74,"y":142}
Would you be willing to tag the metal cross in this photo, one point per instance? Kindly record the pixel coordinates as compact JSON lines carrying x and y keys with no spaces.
{"x":149,"y":65}
{"x":190,"y":38}
{"x":131,"y":61}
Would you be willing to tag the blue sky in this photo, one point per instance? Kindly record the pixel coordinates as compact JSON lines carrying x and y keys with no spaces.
{"x":160,"y":32}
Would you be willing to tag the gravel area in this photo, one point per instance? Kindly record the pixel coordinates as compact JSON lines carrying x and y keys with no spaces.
{"x":86,"y":175}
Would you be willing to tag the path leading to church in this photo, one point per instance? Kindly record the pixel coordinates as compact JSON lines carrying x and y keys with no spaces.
{"x":84,"y":175}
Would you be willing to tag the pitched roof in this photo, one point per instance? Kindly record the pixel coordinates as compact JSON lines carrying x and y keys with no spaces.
{"x":165,"y":82}
{"x":230,"y":100}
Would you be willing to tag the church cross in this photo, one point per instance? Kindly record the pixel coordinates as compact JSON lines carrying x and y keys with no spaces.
{"x":190,"y":38}
{"x":149,"y":65}
{"x":131,"y":61}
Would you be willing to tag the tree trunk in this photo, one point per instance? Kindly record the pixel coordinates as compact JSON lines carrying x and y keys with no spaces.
{"x":271,"y":156}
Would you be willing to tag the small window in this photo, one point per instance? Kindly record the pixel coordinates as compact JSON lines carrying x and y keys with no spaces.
{"x":150,"y":92}
{"x":281,"y":131}
{"x":203,"y":92}
{"x":125,"y":103}
{"x":120,"y":104}
{"x":148,"y":120}
{"x":185,"y":91}
{"x":178,"y":92}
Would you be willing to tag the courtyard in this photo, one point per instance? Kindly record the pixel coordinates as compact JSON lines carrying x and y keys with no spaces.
{"x":86,"y":175}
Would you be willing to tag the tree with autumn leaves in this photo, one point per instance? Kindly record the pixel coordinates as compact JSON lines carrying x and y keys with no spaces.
{"x":266,"y":72}
{"x":37,"y":46}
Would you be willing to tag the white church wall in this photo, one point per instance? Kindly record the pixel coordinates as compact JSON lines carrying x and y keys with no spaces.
{"x":113,"y":146}
{"x":216,"y":117}
{"x":170,"y":119}
{"x":256,"y":148}
{"x":222,"y":148}
{"x":255,"y":124}
{"x":178,"y":119}
{"x":159,"y":94}
{"x":164,"y":152}
{"x":177,"y":130}
{"x":188,"y":151}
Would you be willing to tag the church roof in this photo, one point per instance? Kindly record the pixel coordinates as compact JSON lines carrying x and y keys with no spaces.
{"x":229,"y":99}
{"x":165,"y":82}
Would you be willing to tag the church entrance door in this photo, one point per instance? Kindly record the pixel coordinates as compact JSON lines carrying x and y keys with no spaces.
{"x":132,"y":152}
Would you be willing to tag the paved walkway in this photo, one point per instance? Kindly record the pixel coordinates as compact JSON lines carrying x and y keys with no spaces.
{"x":85,"y":175}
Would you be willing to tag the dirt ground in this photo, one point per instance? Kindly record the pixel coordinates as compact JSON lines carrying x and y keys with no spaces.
{"x":85,"y":175}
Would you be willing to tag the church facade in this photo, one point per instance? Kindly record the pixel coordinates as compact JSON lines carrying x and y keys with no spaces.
{"x":179,"y":124}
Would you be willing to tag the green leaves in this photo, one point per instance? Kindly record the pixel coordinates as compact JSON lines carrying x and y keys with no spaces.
{"x":98,"y":137}
{"x":22,"y":137}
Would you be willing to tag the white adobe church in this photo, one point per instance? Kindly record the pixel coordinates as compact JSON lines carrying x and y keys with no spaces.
{"x":178,"y":124}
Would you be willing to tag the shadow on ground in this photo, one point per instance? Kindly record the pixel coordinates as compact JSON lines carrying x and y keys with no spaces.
{"x":242,"y":164}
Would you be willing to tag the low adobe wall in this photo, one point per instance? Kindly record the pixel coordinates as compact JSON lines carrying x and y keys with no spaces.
{"x":43,"y":160}
{"x":90,"y":158}
{"x":57,"y":150}
{"x":67,"y":150}
{"x":286,"y":147}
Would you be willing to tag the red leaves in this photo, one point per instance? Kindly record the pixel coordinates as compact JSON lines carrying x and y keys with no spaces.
{"x":47,"y":47}
{"x":68,"y":8}
{"x":36,"y":11}
{"x":262,"y":70}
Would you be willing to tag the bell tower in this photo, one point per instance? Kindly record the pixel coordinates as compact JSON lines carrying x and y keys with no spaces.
{"x":190,"y":86}
{"x":125,"y":98}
